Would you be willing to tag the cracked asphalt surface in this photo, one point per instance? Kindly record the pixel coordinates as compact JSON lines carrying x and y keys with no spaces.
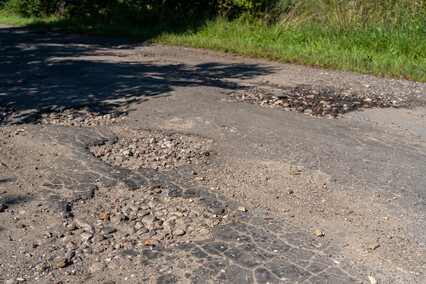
{"x":359,"y":178}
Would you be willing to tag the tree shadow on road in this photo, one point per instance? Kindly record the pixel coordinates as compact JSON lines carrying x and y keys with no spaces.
{"x":43,"y":70}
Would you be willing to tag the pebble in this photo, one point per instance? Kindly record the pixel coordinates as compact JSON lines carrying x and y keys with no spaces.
{"x":372,"y":280}
{"x":62,"y":263}
{"x":83,"y":224}
{"x":108,"y":230}
{"x":179,"y":232}
{"x":150,"y":219}
{"x":3,"y":207}
{"x":373,"y":247}
{"x":97,"y":267}
{"x":318,"y":233}
{"x":242,"y":209}
{"x":97,"y":238}
{"x":85,"y":237}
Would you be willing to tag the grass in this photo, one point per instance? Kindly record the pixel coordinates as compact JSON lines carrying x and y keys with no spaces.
{"x":369,"y":50}
{"x":386,"y":41}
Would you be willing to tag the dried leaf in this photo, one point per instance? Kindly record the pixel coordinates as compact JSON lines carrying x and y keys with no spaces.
{"x":104,"y":217}
{"x":295,"y":173}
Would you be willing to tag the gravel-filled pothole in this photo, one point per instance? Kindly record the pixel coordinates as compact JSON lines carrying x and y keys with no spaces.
{"x":318,"y":102}
{"x":156,"y":150}
{"x":84,"y":116}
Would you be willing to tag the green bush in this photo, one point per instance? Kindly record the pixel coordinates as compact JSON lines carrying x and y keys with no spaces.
{"x":36,"y":8}
{"x":256,"y":9}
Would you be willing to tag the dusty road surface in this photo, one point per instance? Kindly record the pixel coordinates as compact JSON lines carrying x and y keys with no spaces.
{"x":124,"y":162}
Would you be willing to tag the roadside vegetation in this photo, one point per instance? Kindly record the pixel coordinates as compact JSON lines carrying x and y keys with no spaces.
{"x":384,"y":37}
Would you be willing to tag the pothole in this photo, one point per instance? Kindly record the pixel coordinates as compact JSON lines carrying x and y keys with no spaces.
{"x":318,"y":102}
{"x":83,"y":116}
{"x":155,"y":150}
{"x":144,"y":217}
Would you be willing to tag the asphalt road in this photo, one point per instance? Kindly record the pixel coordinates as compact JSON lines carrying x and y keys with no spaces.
{"x":374,"y":161}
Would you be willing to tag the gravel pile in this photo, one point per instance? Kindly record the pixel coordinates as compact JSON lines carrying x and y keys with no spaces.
{"x":81,"y":117}
{"x":160,"y":151}
{"x":319,"y":102}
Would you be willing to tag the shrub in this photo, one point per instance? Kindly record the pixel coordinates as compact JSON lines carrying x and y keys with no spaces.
{"x":37,"y":8}
{"x":256,"y":9}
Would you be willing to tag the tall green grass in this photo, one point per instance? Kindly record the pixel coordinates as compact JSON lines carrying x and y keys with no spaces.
{"x":384,"y":38}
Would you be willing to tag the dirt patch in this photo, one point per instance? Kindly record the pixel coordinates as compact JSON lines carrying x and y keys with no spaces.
{"x":156,"y":150}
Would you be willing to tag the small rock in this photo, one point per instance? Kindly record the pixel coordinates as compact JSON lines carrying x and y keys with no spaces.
{"x":143,"y":231}
{"x":295,"y":173}
{"x":373,"y":247}
{"x":115,"y":263}
{"x":62,"y":263}
{"x":372,"y":280}
{"x":86,"y":226}
{"x":318,"y":233}
{"x":85,"y":237}
{"x":139,"y":225}
{"x":41,"y":268}
{"x":118,"y":218}
{"x":199,"y":179}
{"x":3,"y":207}
{"x":179,"y":232}
{"x":204,"y":232}
{"x":242,"y":209}
{"x":150,"y":219}
{"x":98,"y":237}
{"x":97,"y":267}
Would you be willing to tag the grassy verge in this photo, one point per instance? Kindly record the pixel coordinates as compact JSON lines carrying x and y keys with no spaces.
{"x":394,"y":51}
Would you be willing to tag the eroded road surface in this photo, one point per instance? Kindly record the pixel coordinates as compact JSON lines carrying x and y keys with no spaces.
{"x":125,"y":162}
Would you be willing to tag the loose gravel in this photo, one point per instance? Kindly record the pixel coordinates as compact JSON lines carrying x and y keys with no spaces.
{"x":156,"y":150}
{"x":320,"y":102}
{"x":82,"y":116}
